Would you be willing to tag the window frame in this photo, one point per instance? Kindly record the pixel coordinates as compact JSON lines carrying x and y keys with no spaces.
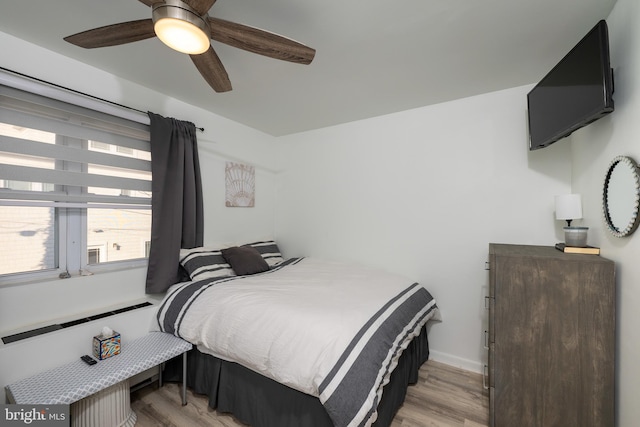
{"x":71,"y":222}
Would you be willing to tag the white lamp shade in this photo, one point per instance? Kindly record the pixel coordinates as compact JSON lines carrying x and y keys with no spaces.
{"x":180,"y":27}
{"x":568,"y":206}
{"x":182,"y":36}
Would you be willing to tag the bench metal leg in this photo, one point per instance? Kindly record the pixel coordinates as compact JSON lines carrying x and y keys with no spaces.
{"x":184,"y":378}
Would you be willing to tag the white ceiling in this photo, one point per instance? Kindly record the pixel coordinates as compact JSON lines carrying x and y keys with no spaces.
{"x":373,"y":57}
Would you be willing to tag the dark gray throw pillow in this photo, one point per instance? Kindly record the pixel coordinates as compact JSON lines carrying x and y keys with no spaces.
{"x":245,"y":260}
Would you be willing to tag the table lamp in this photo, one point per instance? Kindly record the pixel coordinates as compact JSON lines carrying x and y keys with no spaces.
{"x":568,"y":208}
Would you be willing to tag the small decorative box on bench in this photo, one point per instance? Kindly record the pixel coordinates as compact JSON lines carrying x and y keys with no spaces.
{"x":106,"y":344}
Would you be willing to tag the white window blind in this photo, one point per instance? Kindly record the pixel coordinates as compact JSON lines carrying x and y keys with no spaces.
{"x":53,"y":153}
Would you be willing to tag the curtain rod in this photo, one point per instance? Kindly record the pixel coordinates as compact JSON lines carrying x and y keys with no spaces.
{"x":79,"y":93}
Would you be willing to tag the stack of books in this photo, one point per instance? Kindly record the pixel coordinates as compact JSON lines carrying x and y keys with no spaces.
{"x":591,"y":250}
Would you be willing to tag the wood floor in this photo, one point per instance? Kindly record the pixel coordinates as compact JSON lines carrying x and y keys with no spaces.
{"x":444,"y":397}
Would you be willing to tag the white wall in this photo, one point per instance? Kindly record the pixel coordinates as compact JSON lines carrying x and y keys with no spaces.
{"x":593,"y":148}
{"x":223,"y":140}
{"x":422,"y":193}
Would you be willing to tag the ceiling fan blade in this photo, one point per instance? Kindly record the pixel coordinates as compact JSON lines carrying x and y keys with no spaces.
{"x":212,"y":70}
{"x":260,"y":41}
{"x":112,"y":35}
{"x":200,"y":6}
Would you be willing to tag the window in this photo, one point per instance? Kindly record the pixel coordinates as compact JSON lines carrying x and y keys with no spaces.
{"x":93,"y":256}
{"x":75,"y":187}
{"x":124,"y":150}
{"x":97,"y":145}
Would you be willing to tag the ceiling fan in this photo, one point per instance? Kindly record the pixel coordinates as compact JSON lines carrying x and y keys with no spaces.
{"x":186,"y":27}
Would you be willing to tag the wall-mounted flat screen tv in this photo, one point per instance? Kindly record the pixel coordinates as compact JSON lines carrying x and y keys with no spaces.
{"x":574,"y":93}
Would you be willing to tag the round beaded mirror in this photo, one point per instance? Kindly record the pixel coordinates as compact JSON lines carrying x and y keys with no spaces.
{"x":621,"y":196}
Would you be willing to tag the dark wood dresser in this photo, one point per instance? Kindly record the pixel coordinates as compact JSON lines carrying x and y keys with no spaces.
{"x":551,"y":338}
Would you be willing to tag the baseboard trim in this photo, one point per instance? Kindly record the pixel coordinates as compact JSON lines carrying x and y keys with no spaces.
{"x":459,"y":362}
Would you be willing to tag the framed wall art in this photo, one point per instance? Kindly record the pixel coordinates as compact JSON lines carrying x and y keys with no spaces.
{"x":240,"y":182}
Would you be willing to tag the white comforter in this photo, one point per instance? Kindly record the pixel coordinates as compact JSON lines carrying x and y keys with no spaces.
{"x":304,"y":325}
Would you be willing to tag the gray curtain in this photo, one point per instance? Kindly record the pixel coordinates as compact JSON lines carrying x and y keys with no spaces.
{"x":177,"y":215}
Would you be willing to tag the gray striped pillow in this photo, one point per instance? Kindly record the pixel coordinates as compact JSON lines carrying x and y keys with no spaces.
{"x":269,"y":250}
{"x":204,"y":263}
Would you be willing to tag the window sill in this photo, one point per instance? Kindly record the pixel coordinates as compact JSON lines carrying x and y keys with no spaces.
{"x":58,"y":274}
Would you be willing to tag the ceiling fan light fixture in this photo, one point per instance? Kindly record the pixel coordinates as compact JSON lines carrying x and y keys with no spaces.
{"x":180,"y":27}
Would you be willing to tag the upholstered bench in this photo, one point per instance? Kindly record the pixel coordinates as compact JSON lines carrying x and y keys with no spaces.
{"x":96,"y":391}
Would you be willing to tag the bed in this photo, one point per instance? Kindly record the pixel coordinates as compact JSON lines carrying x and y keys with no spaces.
{"x":301,"y":342}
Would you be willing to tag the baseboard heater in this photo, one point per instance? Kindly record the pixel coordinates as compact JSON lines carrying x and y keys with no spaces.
{"x":57,"y":326}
